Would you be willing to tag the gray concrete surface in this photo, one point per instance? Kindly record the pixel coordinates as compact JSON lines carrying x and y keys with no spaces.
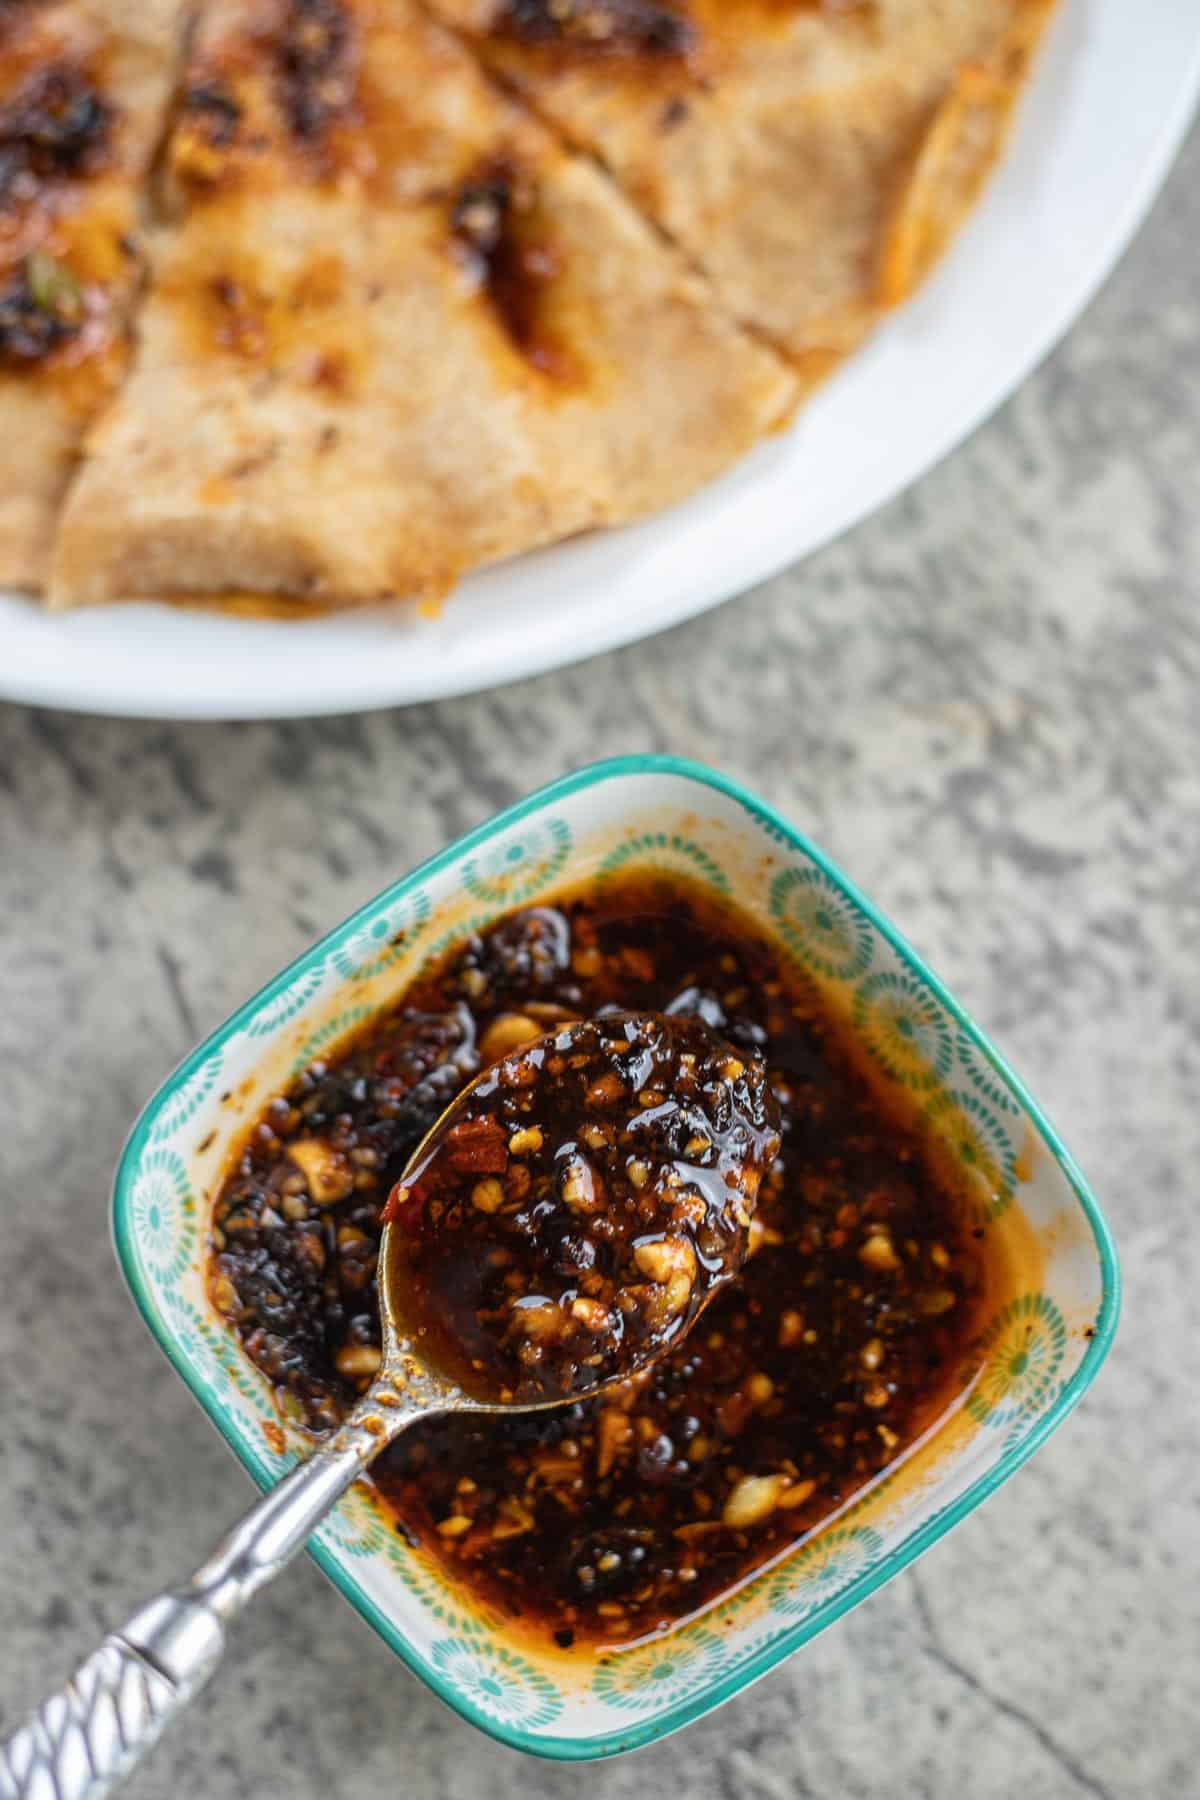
{"x":985,"y":703}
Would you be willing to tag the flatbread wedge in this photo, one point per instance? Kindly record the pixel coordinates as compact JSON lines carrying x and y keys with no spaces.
{"x":396,"y":332}
{"x":811,"y":156}
{"x":83,"y":94}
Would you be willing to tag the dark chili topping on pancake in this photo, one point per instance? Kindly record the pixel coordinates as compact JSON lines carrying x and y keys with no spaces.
{"x":315,"y":65}
{"x":41,"y":307}
{"x":212,"y":113}
{"x":599,"y":27}
{"x":499,"y":236}
{"x":56,"y":127}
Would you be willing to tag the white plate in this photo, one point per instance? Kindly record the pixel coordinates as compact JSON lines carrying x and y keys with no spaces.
{"x":1108,"y":107}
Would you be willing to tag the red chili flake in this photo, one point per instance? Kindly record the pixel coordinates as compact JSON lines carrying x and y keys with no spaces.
{"x":404,"y":1206}
{"x":478,"y":1147}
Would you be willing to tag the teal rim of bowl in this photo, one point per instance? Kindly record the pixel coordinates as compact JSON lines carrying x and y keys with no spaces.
{"x":633,"y":1737}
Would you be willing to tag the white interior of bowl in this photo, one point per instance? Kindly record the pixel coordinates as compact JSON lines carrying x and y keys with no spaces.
{"x":1039,"y":1348}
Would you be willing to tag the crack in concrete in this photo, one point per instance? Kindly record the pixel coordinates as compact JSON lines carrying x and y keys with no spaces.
{"x":1007,"y":1709}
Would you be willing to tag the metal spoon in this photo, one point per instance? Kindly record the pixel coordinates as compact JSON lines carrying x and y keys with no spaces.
{"x":92,"y":1733}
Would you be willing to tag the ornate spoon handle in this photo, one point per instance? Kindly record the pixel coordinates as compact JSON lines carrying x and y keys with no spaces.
{"x":86,"y":1737}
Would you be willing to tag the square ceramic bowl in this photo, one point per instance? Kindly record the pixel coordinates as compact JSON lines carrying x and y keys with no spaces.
{"x":1043,"y":1343}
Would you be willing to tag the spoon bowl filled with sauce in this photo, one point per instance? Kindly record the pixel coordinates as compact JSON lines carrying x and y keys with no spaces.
{"x":579,"y":1206}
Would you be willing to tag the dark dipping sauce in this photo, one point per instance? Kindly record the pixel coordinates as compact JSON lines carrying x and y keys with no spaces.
{"x":843,"y":1338}
{"x":586,"y":1200}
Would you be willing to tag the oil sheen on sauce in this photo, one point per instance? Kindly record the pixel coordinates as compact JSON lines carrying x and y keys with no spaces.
{"x":846,"y":1334}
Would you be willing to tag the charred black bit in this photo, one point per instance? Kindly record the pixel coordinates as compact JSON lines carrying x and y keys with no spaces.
{"x":57,"y":127}
{"x":315,"y":64}
{"x":527,"y":954}
{"x":481,"y":210}
{"x":41,"y":307}
{"x":212,"y":111}
{"x":600,"y":27}
{"x":303,"y":1261}
{"x":495,"y":230}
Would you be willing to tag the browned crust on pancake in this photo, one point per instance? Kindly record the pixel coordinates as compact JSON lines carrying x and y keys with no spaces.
{"x":394,"y":330}
{"x":373,"y":386}
{"x":83,"y":91}
{"x":776,"y":141}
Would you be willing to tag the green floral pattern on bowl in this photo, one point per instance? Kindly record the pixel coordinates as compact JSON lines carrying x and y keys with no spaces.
{"x":658,"y":1674}
{"x":903,"y":1028}
{"x":821,"y":923}
{"x":823,"y":1568}
{"x":501,"y":1684}
{"x":521,"y":866}
{"x":670,"y":853}
{"x":385,"y":938}
{"x":187,"y":1098}
{"x":1034,"y":1358}
{"x":1022,"y":1354}
{"x":984,"y":1144}
{"x":286,"y":1005}
{"x":163,"y":1212}
{"x":319,"y":1042}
